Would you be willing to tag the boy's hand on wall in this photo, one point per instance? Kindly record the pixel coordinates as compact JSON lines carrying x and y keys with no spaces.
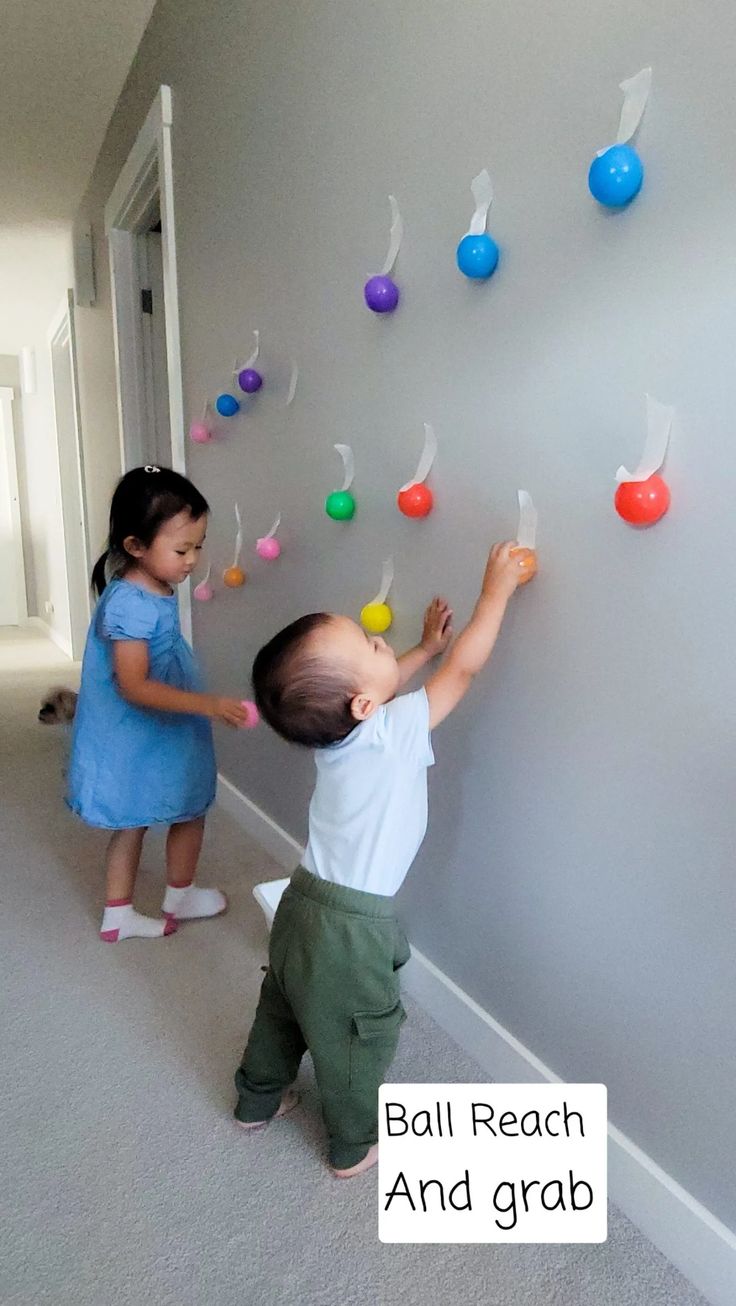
{"x":437,"y":631}
{"x":507,"y":567}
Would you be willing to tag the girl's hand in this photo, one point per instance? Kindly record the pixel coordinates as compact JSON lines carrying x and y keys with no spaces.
{"x":230,"y":711}
{"x":437,"y":631}
{"x":505,"y":572}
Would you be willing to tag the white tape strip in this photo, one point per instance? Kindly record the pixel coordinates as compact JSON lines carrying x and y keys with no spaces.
{"x":273,"y":529}
{"x":659,"y":424}
{"x":348,"y":459}
{"x":636,"y":93}
{"x":395,"y":237}
{"x":526,"y":534}
{"x":292,"y":385}
{"x":482,"y":189}
{"x":203,"y":591}
{"x":238,"y":537}
{"x":387,"y":580}
{"x":254,"y":356}
{"x":429,"y":453}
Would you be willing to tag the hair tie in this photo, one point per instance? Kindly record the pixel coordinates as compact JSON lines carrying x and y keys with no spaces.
{"x":152,"y":469}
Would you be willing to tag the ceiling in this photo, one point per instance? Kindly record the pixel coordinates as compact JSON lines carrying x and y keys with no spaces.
{"x":63,"y":64}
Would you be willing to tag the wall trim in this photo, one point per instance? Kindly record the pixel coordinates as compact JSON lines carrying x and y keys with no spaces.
{"x":684,"y":1230}
{"x":38,"y":623}
{"x":146,"y":176}
{"x":280,"y":845}
{"x":7,"y":428}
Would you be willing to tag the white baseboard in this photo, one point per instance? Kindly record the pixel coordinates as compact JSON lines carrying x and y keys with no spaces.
{"x":280,"y":845}
{"x":38,"y":623}
{"x":688,"y":1234}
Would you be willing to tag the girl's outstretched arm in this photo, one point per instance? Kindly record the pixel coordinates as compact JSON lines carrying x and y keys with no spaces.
{"x":130,"y":658}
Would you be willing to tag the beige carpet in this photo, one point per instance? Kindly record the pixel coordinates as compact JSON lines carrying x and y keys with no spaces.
{"x":124,"y":1180}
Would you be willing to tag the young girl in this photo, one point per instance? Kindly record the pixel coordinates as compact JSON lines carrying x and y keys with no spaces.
{"x":142,"y":751}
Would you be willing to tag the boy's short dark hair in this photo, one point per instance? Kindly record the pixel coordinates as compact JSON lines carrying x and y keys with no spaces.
{"x":302,"y":697}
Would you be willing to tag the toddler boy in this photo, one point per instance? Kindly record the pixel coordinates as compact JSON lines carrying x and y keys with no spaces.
{"x":336,"y":947}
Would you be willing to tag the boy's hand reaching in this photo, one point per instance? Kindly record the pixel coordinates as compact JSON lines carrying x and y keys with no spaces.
{"x":437,"y":631}
{"x":508,"y":566}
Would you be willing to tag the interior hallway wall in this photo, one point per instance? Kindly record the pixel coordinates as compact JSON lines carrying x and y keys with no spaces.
{"x":35,"y":273}
{"x":577,"y":879}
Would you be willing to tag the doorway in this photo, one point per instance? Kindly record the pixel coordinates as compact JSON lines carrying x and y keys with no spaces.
{"x":139,"y":223}
{"x":13,"y":606}
{"x":156,"y":434}
{"x":64,"y":374}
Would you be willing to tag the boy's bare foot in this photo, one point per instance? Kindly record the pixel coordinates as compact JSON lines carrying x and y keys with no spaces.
{"x":289,"y":1100}
{"x":369,"y":1160}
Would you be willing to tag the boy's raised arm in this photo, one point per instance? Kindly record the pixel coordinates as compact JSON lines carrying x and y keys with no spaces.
{"x":474,"y":645}
{"x":436,"y":635}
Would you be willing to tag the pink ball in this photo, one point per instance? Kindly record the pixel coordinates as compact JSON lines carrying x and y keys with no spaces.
{"x":268,"y":548}
{"x":200,"y":433}
{"x":253,"y":714}
{"x":204,"y":592}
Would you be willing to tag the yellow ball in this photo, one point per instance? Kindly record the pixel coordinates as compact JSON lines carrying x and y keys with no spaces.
{"x":376,"y":617}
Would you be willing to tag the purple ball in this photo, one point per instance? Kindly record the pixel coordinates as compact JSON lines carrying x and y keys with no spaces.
{"x":249,"y":380}
{"x":381,"y":294}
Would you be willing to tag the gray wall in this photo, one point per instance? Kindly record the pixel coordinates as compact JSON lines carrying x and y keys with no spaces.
{"x":577,"y":878}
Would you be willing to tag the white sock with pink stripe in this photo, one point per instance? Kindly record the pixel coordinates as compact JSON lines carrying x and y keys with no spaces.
{"x":192,"y":903}
{"x":120,"y":921}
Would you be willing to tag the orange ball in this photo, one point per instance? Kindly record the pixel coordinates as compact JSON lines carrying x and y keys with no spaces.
{"x":233,"y":577}
{"x":529,"y":565}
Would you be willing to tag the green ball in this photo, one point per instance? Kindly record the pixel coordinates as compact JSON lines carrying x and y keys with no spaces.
{"x":340,"y":506}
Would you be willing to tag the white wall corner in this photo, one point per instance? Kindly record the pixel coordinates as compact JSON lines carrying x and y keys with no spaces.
{"x":55,"y":636}
{"x":689,"y":1235}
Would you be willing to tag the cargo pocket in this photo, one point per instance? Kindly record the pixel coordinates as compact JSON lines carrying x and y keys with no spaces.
{"x":373,"y":1039}
{"x":403,"y":951}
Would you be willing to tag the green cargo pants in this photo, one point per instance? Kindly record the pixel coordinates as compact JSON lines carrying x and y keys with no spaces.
{"x":332,"y":987}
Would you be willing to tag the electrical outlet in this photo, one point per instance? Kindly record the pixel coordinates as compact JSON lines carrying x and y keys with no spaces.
{"x":48,"y":608}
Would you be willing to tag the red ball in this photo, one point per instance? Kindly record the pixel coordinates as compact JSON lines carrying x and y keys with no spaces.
{"x":642,"y":502}
{"x":416,"y":501}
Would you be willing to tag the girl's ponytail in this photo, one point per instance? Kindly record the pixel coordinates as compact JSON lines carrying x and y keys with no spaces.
{"x":99,"y":579}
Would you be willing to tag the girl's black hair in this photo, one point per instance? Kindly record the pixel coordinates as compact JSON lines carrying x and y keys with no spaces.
{"x":144,"y":499}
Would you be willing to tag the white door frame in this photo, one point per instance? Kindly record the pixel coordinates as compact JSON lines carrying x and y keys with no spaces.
{"x":61,"y":332}
{"x":8,"y":431}
{"x":146,"y":180}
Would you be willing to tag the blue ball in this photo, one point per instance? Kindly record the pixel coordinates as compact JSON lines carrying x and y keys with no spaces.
{"x":227,"y":405}
{"x":615,"y":177}
{"x":477,"y":256}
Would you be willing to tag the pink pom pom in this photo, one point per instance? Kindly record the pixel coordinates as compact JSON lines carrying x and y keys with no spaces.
{"x":204,"y":592}
{"x":200,"y":433}
{"x":268,"y":548}
{"x":253,"y":716}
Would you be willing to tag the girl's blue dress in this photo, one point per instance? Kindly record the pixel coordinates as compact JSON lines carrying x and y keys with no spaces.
{"x":133,"y":766}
